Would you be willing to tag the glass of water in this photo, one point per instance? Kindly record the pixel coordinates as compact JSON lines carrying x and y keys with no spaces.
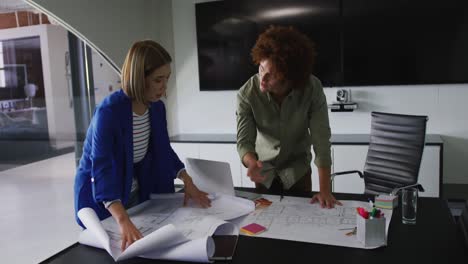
{"x":409,"y":202}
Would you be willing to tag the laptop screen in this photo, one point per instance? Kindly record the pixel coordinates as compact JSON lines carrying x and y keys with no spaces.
{"x":211,"y":176}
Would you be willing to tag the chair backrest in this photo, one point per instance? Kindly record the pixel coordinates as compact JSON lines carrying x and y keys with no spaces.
{"x":395,"y":151}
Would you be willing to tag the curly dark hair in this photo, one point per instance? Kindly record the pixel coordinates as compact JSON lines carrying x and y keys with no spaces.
{"x":291,"y":53}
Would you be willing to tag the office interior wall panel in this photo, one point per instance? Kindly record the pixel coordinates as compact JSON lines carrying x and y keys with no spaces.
{"x":345,"y":158}
{"x":225,"y":153}
{"x":109,"y":26}
{"x":453,"y":127}
{"x":429,"y":172}
{"x":186,"y":150}
{"x":59,"y":111}
{"x":315,"y":175}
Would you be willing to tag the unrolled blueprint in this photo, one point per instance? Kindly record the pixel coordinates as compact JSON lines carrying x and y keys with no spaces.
{"x":296,"y":219}
{"x":169,"y":230}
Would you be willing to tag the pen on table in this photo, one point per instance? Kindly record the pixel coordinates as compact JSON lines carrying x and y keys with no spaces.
{"x":281,"y":189}
{"x":349,"y":228}
{"x":352,"y":232}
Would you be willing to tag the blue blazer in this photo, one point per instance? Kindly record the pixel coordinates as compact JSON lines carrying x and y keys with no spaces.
{"x":106,"y":171}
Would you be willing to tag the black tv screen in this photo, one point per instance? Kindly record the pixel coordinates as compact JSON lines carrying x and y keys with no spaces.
{"x":399,"y":42}
{"x":359,"y":42}
{"x":227,"y":31}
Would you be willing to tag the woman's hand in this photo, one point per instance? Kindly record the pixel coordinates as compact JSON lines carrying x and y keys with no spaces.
{"x":129,"y":233}
{"x":128,"y":230}
{"x":192,"y":192}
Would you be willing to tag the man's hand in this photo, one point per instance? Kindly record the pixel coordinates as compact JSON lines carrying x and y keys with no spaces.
{"x":254,"y":167}
{"x":254,"y":171}
{"x":326,"y":199}
{"x":192,"y":192}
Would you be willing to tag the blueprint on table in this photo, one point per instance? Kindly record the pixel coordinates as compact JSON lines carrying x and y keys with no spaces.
{"x":294,"y":218}
{"x":169,"y":230}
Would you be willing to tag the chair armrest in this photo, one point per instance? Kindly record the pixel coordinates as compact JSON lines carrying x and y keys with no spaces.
{"x":333,"y":175}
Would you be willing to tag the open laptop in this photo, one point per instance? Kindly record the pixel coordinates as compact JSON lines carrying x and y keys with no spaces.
{"x":215,"y":177}
{"x":211,"y":176}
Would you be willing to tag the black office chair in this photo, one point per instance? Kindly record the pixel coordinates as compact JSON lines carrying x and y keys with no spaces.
{"x":394,"y":155}
{"x":463,"y":224}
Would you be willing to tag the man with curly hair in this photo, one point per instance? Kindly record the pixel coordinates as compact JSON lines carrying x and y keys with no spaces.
{"x":282,"y":112}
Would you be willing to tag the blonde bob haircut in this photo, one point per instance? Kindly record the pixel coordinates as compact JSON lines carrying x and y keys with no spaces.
{"x":142,"y":59}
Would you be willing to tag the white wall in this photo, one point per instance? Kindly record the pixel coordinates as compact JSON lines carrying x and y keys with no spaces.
{"x":106,"y":80}
{"x":214,"y":112}
{"x":196,"y":112}
{"x":110,"y":26}
{"x":164,"y":35}
{"x":60,"y":116}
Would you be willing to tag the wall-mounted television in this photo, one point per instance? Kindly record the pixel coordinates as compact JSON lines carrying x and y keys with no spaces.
{"x":359,"y":42}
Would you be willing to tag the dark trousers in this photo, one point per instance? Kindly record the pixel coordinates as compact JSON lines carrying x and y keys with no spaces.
{"x":304,"y":185}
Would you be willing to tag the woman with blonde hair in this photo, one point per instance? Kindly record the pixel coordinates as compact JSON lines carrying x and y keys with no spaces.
{"x":127,"y":154}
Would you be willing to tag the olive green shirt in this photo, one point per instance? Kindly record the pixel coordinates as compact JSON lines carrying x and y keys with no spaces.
{"x":282,"y":136}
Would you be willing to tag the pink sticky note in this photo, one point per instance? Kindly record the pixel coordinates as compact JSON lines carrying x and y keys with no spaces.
{"x":254,"y":228}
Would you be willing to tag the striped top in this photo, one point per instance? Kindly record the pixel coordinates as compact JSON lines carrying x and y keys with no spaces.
{"x":141,"y":134}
